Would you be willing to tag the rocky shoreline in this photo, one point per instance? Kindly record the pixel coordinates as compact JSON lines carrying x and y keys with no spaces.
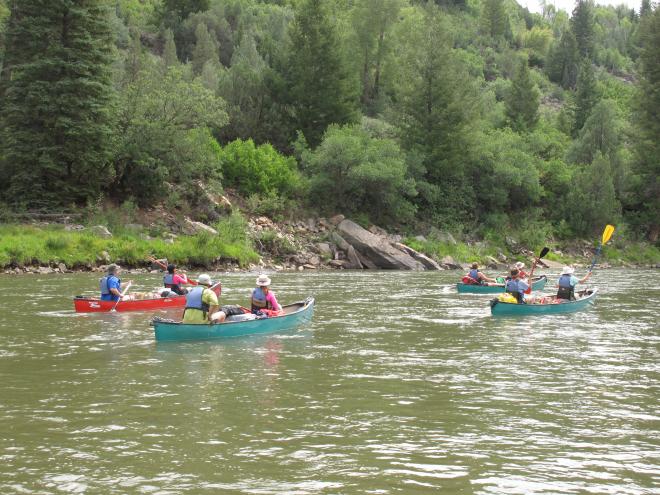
{"x":336,"y":243}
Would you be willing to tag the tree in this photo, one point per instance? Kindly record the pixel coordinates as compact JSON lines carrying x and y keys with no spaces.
{"x":601,"y":133}
{"x":206,"y":49}
{"x":494,"y":20}
{"x":562,"y":66}
{"x":321,"y":89}
{"x":647,"y":139}
{"x":522,"y":104}
{"x":582,"y":25}
{"x":173,"y":12}
{"x":586,"y":95}
{"x":169,"y":51}
{"x":56,"y":99}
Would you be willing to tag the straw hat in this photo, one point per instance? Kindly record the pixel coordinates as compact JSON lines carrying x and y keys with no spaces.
{"x":567,"y":270}
{"x":204,"y":279}
{"x":263,"y":281}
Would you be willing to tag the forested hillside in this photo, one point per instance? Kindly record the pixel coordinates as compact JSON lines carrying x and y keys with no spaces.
{"x":476,"y":116}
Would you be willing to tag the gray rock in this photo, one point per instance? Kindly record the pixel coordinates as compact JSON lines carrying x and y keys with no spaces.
{"x":337,"y":219}
{"x":324,"y":249}
{"x":101,"y":231}
{"x":339,"y":241}
{"x":75,"y":227}
{"x":62,"y":267}
{"x":428,"y":263}
{"x":192,"y":227}
{"x":353,"y":259}
{"x":442,"y":236}
{"x":449,"y":263}
{"x":376,"y":250}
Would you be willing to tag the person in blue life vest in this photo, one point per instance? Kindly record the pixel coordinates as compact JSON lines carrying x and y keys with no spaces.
{"x":173,"y":280}
{"x":110,"y":284}
{"x":201,"y":303}
{"x":567,"y":282}
{"x":516,"y":286}
{"x":476,"y":276}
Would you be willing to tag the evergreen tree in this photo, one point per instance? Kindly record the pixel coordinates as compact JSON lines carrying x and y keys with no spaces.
{"x":495,"y":20}
{"x":522,"y":104}
{"x":206,"y":49}
{"x":56,"y":101}
{"x":169,"y":51}
{"x":586,"y":95}
{"x":645,"y":8}
{"x":562,"y":66}
{"x":601,"y":133}
{"x":320,"y":89}
{"x":173,"y":12}
{"x":647,"y":163}
{"x":582,"y":25}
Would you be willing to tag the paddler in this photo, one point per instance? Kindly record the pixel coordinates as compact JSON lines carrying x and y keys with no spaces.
{"x":173,"y":280}
{"x":516,"y":286}
{"x":477,"y":277}
{"x":263,"y":300}
{"x":201,"y":302}
{"x":110,"y":284}
{"x":567,"y":282}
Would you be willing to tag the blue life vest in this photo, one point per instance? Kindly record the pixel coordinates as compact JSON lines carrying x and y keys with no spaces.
{"x":513,"y":287}
{"x":474,"y":273}
{"x":105,"y":289}
{"x":259,"y":300}
{"x":566,"y":290}
{"x":194,"y":300}
{"x":168,"y":280}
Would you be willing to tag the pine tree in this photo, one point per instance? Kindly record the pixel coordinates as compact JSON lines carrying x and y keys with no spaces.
{"x":522,"y":105}
{"x":321,"y":89}
{"x":495,"y":20}
{"x":586,"y":95}
{"x":169,"y":51}
{"x":562,"y":66}
{"x":647,"y":163}
{"x":56,"y":101}
{"x":206,"y":49}
{"x":582,"y":25}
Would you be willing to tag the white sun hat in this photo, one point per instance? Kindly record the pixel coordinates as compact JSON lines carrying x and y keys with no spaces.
{"x":263,"y":281}
{"x":520,"y":265}
{"x":567,"y":270}
{"x":204,"y":279}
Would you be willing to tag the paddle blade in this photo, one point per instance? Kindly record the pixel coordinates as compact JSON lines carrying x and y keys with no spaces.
{"x":607,"y":233}
{"x":544,"y":251}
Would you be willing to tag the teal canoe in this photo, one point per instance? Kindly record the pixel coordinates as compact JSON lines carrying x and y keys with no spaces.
{"x":294,"y":315}
{"x":537,"y":284}
{"x":584,"y":299}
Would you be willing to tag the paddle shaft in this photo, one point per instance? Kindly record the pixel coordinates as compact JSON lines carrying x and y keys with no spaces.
{"x":114,"y":308}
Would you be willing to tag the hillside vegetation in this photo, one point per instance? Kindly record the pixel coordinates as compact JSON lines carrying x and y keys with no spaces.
{"x":473,"y":116}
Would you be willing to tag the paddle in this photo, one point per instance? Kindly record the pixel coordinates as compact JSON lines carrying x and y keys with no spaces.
{"x":607,"y":234}
{"x":114,"y":308}
{"x":542,"y":254}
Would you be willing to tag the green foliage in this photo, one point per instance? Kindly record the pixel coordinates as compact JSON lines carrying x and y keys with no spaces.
{"x":600,"y":134}
{"x":522,"y":103}
{"x":56,"y":100}
{"x":321,"y":91}
{"x":562,"y":66}
{"x":494,"y":20}
{"x":582,"y":25}
{"x":260,"y":170}
{"x":586,"y":95}
{"x":353,"y":172}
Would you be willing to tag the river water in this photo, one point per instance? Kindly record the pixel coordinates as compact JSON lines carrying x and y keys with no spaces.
{"x":398,"y":386}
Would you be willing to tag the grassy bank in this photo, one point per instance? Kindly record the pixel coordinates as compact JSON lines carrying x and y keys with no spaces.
{"x":28,"y":245}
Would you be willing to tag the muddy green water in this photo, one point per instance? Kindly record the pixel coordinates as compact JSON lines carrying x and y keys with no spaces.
{"x":398,"y":386}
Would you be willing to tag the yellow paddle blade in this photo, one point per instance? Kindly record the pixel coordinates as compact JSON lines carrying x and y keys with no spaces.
{"x":607,"y":233}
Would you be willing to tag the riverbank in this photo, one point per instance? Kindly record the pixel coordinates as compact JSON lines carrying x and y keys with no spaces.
{"x":237,"y":243}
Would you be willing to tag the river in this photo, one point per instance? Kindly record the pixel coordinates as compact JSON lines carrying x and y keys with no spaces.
{"x":398,"y":386}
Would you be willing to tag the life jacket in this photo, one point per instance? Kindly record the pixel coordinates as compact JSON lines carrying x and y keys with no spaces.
{"x":168,"y":282}
{"x":514,"y":289}
{"x":474,"y":276}
{"x":259,"y":300}
{"x":194,"y":300}
{"x":566,"y":290}
{"x":103,"y":283}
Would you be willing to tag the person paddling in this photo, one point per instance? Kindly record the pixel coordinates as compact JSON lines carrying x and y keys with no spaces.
{"x":516,"y":286}
{"x":522,"y":274}
{"x":173,"y":280}
{"x":110,"y":284}
{"x":263,"y":300}
{"x":567,"y":282}
{"x":201,"y":302}
{"x":476,"y":277}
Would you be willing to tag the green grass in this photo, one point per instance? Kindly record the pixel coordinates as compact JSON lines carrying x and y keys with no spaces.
{"x":462,"y":253}
{"x":27,"y":245}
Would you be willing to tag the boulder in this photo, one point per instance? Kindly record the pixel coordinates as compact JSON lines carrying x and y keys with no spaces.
{"x":374,"y":249}
{"x":337,"y":219}
{"x":428,"y":263}
{"x":74,"y":227}
{"x":324,"y":249}
{"x":339,"y":241}
{"x":191,"y":227}
{"x":449,"y":263}
{"x":101,"y":231}
{"x":62,"y":267}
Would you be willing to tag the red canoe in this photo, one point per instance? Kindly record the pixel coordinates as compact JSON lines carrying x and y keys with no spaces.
{"x":84,"y":304}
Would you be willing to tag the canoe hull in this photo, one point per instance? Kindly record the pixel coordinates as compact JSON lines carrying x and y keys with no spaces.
{"x":499,"y":308}
{"x":93,"y":305}
{"x":538,"y":284}
{"x":170,"y":331}
{"x":90,"y":305}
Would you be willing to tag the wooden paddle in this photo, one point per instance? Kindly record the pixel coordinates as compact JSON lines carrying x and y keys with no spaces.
{"x":114,"y":308}
{"x":607,"y":234}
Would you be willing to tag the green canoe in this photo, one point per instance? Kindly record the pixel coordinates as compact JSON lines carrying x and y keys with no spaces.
{"x":537,"y":284}
{"x":584,"y":299}
{"x":294,"y":315}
